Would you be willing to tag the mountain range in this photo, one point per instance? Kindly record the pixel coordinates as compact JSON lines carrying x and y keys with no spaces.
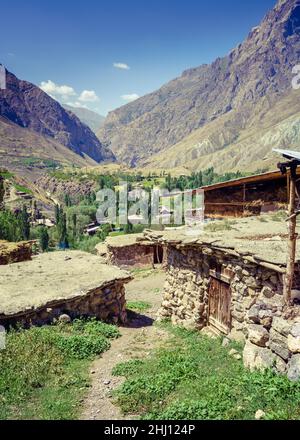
{"x":228,"y":114}
{"x":32,"y":124}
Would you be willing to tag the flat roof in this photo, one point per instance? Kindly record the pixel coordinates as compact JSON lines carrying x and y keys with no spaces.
{"x":256,"y":178}
{"x":265,"y":241}
{"x":52,"y":277}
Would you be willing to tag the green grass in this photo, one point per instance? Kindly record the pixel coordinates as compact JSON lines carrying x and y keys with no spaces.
{"x":44,"y":370}
{"x":87,"y":244}
{"x":138,"y":306}
{"x":194,"y":377}
{"x":23,"y":189}
{"x":6,"y":174}
{"x":116,"y":233}
{"x":279,"y":216}
{"x":216,"y":226}
{"x":143,"y":272}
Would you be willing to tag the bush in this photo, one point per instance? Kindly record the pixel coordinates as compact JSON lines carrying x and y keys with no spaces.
{"x":96,"y":328}
{"x":82,"y":346}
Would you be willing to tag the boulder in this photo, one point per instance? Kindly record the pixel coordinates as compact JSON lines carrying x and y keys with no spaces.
{"x":268,"y":292}
{"x":260,"y":414}
{"x":253,"y":313}
{"x":258,"y":334}
{"x":293,"y":372}
{"x":281,"y":325}
{"x":255,"y":357}
{"x":295,"y":330}
{"x":280,"y":365}
{"x":278,"y":343}
{"x":293,"y":344}
{"x":64,"y":319}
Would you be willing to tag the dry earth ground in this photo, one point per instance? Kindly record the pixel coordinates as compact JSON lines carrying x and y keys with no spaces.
{"x":137,"y":340}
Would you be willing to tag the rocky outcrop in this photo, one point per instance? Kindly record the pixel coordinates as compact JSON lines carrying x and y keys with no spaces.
{"x":59,"y":188}
{"x":229,"y":95}
{"x":27,"y":106}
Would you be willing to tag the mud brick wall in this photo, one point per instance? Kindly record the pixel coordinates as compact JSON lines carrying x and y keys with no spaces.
{"x":15,"y":252}
{"x":134,"y":255}
{"x":271,"y":331}
{"x":106,"y":303}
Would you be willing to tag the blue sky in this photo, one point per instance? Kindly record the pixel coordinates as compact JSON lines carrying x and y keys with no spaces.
{"x":76,"y":43}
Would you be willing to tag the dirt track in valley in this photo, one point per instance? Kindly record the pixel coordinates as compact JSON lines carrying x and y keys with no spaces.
{"x":137,"y":340}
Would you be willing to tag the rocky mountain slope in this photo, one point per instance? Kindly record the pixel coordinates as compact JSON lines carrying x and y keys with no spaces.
{"x":20,"y":146}
{"x":88,"y":117}
{"x":226,"y":107}
{"x":27,"y":106}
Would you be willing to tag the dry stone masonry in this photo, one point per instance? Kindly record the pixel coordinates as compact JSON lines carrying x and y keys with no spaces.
{"x":210,"y":285}
{"x":130,"y":251}
{"x":56,"y":284}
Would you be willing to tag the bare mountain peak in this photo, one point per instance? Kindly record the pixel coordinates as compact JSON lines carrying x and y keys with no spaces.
{"x":26,"y":105}
{"x":248,"y":81}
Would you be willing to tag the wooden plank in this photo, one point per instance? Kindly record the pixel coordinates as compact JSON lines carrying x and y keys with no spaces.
{"x":220,"y":305}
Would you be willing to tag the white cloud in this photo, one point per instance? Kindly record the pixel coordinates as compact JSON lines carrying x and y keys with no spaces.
{"x":77,"y":104}
{"x":67,"y":95}
{"x":56,"y":90}
{"x":88,"y":96}
{"x":131,"y":97}
{"x":122,"y":66}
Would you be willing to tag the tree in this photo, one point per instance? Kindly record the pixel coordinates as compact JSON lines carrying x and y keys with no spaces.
{"x":2,"y":193}
{"x":74,"y":223}
{"x":62,"y":230}
{"x":57,"y":214}
{"x":24,"y":223}
{"x":43,"y":239}
{"x":68,"y":201}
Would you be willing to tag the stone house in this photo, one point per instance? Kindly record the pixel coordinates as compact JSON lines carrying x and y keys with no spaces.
{"x":131,"y":251}
{"x":225,"y":285}
{"x":75,"y":283}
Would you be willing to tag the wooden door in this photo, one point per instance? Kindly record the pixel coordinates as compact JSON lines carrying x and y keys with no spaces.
{"x":219,"y":305}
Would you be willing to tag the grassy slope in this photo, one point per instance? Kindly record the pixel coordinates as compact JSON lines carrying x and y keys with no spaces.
{"x":194,"y":377}
{"x":17,"y":143}
{"x":44,"y":371}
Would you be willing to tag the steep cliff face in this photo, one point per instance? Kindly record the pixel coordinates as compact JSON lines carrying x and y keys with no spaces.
{"x":29,"y":107}
{"x":230,"y":92}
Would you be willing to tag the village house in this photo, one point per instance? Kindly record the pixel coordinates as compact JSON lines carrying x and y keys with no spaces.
{"x":245,"y":196}
{"x":60,"y":285}
{"x":230,"y":283}
{"x":130,"y":251}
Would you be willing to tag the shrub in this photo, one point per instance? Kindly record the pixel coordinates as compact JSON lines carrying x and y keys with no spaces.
{"x":82,"y":346}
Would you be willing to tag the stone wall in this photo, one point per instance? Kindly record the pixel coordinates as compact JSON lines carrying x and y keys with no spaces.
{"x":270,"y":331}
{"x":106,"y":303}
{"x":15,"y":252}
{"x":134,"y":255}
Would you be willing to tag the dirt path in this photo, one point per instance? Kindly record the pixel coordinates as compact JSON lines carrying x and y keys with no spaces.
{"x":137,"y":341}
